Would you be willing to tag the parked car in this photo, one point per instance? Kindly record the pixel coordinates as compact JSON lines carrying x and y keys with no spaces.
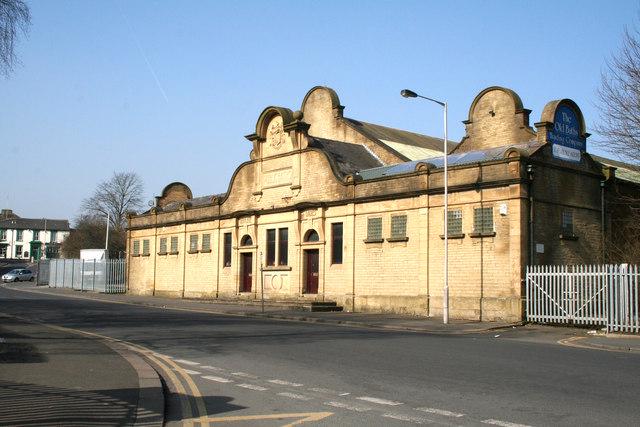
{"x":18,"y":275}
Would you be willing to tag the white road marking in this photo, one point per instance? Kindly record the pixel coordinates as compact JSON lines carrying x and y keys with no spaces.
{"x":347,"y":406}
{"x":327,"y":391}
{"x":217,"y":379}
{"x":379,"y":401}
{"x":190,"y":372}
{"x":282,"y":382}
{"x":408,"y":418}
{"x":213,"y":368}
{"x":187,"y":362}
{"x":252,"y":387}
{"x":294,"y":396}
{"x":503,"y":423}
{"x":440,"y":412}
{"x":244,"y":374}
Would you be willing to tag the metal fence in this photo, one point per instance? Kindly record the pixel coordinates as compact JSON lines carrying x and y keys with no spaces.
{"x":604,"y":295}
{"x":106,"y":276}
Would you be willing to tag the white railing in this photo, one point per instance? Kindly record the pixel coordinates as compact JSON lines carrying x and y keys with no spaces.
{"x":106,"y":276}
{"x":585,"y":295}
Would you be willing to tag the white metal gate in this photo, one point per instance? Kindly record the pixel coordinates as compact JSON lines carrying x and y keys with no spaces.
{"x":584,"y":295}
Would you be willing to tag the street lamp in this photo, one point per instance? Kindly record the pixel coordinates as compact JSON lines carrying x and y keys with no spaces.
{"x":445,"y":303}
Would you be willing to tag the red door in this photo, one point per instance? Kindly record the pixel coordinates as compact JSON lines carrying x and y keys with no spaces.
{"x":312,"y":257}
{"x":246,"y":272}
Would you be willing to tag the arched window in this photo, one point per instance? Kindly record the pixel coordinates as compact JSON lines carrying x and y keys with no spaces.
{"x":246,"y":240}
{"x":311,"y":236}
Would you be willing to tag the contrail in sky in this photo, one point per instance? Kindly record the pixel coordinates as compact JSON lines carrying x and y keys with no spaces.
{"x":144,"y":56}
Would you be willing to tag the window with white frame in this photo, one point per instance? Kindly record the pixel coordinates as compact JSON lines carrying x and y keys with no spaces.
{"x":19,"y":236}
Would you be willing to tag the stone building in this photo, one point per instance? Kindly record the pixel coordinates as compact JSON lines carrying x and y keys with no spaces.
{"x":336,"y":209}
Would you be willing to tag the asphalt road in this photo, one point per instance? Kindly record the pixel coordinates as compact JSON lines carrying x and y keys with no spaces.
{"x":246,"y":370}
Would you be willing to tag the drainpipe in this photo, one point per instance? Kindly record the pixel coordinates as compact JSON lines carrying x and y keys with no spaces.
{"x":531,"y":217}
{"x":602,"y":218}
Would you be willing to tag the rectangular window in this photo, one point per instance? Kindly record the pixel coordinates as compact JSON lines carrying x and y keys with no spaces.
{"x":336,"y":243}
{"x":193,"y":243}
{"x":374,"y":228}
{"x":227,"y":249}
{"x":483,"y":220}
{"x":454,"y":222}
{"x":206,"y":243}
{"x":283,"y":246}
{"x":163,"y":246}
{"x":174,"y":244}
{"x":54,"y":236}
{"x":36,"y":235}
{"x":567,"y":223}
{"x":19,"y":236}
{"x":3,"y":234}
{"x":19,"y":251}
{"x":398,"y":226}
{"x":136,"y":247}
{"x":145,"y":247}
{"x":271,"y":246}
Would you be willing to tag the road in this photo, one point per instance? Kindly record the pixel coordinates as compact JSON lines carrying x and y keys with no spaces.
{"x":246,"y":371}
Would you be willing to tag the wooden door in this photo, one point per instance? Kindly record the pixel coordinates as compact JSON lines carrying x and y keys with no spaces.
{"x":312,"y":258}
{"x":246,"y":272}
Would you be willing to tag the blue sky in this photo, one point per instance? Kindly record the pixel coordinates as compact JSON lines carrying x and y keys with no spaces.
{"x":168,"y":89}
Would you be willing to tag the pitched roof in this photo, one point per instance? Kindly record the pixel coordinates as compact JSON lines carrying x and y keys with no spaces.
{"x":194,"y":202}
{"x":347,"y":158}
{"x":413,"y":146}
{"x":452,"y":160}
{"x":624,"y":171}
{"x":35,"y":224}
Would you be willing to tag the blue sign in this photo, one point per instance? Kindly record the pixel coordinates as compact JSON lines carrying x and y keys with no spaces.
{"x":566,"y":129}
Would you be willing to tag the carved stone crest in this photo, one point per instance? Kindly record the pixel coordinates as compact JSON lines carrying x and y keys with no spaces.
{"x":275,"y":133}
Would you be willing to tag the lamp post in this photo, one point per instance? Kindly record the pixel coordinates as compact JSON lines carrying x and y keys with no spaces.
{"x":445,"y":302}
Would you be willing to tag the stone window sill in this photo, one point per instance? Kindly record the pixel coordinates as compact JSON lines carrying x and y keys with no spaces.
{"x":453,"y":236}
{"x":373,"y":240}
{"x":568,"y":237}
{"x":205,"y":251}
{"x":484,"y":234}
{"x":173,"y":253}
{"x":193,"y":252}
{"x":145,"y":254}
{"x":277,"y":268}
{"x":162,"y":253}
{"x":135,"y":255}
{"x":398,"y":239}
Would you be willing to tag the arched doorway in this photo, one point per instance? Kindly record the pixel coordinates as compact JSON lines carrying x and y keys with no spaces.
{"x":246,"y":265}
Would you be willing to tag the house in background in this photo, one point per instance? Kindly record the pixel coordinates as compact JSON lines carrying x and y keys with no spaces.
{"x":29,"y":238}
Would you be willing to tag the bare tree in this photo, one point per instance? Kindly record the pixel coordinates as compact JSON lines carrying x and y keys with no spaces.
{"x":619,"y":100}
{"x":15,"y":18}
{"x":116,"y":197}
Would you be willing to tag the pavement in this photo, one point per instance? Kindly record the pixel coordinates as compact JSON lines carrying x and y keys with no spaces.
{"x":53,"y":376}
{"x":61,"y":372}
